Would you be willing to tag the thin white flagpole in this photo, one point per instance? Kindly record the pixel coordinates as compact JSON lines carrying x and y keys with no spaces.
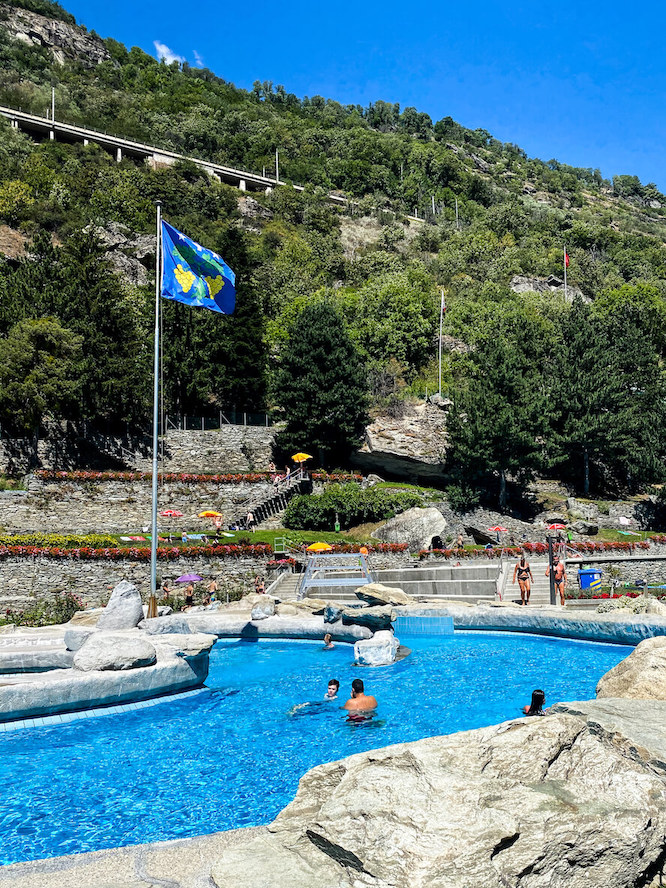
{"x":441,"y":319}
{"x":156,"y":389}
{"x":564,"y":260}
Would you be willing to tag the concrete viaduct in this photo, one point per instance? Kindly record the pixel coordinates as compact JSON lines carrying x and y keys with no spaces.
{"x":43,"y":127}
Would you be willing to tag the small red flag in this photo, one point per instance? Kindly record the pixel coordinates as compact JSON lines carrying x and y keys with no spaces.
{"x":566,"y":259}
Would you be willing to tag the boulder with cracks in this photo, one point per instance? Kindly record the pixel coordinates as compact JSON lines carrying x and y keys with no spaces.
{"x":534,"y":803}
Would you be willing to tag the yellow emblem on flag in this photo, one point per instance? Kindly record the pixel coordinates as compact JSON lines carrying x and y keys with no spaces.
{"x":215,"y":284}
{"x":184,"y":278}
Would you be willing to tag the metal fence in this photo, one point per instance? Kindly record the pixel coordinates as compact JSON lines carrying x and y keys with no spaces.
{"x":224,"y":418}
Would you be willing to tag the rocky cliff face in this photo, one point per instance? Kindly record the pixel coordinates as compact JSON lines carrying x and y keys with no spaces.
{"x":412,"y":446}
{"x":66,"y":42}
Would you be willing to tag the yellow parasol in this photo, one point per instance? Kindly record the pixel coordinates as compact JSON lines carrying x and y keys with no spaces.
{"x":319,"y":547}
{"x":209,"y":513}
{"x":301,"y":457}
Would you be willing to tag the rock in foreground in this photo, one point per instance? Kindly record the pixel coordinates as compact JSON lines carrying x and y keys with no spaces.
{"x":378,"y":593}
{"x":642,"y":675}
{"x":537,"y":803}
{"x":103,"y":651}
{"x":124,"y":610}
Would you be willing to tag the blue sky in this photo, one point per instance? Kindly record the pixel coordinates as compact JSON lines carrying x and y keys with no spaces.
{"x":582,"y":82}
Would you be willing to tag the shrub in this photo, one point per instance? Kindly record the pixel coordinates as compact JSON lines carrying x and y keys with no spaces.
{"x":462,"y":497}
{"x":350,"y":503}
{"x":59,"y":608}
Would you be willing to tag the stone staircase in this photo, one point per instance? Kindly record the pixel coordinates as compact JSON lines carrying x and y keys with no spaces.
{"x":286,"y":586}
{"x":268,"y":509}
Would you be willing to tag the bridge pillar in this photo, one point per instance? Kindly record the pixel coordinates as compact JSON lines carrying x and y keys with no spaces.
{"x":86,"y":142}
{"x":119,"y":154}
{"x":269,"y":188}
{"x":52,"y":135}
{"x":14,"y":123}
{"x":242,"y":185}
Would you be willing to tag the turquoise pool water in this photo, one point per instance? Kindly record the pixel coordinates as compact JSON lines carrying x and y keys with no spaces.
{"x":232,"y":755}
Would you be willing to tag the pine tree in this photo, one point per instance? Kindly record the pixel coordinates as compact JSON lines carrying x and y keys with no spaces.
{"x":495,"y":423}
{"x":321,"y":386}
{"x":609,"y":399}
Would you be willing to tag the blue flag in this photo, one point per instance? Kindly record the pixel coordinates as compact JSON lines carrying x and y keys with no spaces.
{"x":194,"y":275}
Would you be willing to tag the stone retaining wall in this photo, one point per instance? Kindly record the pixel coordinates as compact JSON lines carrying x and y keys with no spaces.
{"x":24,"y":581}
{"x":121,"y":506}
{"x":231,"y":449}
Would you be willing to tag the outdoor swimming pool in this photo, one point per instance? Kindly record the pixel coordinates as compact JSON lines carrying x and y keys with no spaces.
{"x":232,"y":755}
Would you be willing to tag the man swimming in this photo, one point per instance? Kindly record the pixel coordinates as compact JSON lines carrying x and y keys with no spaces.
{"x":359,"y":700}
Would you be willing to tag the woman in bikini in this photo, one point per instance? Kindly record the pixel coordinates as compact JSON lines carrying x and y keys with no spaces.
{"x":523,"y":571}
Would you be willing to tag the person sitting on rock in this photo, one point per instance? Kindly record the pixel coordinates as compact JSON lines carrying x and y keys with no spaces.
{"x":359,"y":700}
{"x":536,"y":706}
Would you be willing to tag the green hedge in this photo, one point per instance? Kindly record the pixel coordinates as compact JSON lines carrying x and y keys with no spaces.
{"x":352,"y":504}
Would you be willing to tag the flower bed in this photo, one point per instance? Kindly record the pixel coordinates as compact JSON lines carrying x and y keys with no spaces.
{"x":59,"y":540}
{"x":540,"y":549}
{"x":590,"y":595}
{"x":136,"y":553}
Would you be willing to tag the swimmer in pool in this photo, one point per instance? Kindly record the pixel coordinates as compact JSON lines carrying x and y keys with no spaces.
{"x":536,"y":705}
{"x":331,"y":694}
{"x":328,"y":642}
{"x":359,"y":700}
{"x":333,"y":688}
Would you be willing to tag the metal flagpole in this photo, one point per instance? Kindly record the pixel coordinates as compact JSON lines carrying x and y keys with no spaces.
{"x":156,"y":388}
{"x":564,"y":259}
{"x":441,"y":318}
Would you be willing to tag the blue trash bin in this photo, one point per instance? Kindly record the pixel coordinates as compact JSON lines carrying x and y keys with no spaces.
{"x":589,"y":577}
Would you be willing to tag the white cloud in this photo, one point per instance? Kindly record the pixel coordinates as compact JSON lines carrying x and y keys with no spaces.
{"x":163,"y":52}
{"x":198,"y":61}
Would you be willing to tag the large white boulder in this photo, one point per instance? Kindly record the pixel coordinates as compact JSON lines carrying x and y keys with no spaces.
{"x":264,"y":608}
{"x":76,"y":638}
{"x":378,"y":593}
{"x":124,"y":610}
{"x":642,"y":675}
{"x":416,"y":527}
{"x":114,"y":651}
{"x":532,"y":803}
{"x":380,"y":650}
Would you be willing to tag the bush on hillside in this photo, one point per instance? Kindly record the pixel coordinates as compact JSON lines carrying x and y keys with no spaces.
{"x":351,"y":503}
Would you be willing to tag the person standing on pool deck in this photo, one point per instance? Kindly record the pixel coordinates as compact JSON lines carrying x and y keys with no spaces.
{"x":359,"y":699}
{"x":560,"y":576}
{"x":524,"y":573}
